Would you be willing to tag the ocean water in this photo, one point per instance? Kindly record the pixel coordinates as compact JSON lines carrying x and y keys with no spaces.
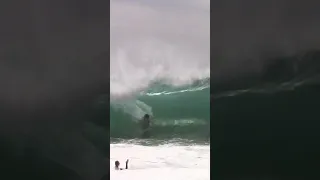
{"x":179,"y":146}
{"x":177,"y":112}
{"x":268,"y":123}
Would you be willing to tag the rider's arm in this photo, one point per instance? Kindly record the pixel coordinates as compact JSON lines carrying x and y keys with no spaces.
{"x":127,"y":163}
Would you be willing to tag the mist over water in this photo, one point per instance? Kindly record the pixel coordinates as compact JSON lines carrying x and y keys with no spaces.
{"x":152,"y":42}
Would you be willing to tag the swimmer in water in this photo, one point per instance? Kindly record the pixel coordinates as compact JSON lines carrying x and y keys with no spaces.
{"x":146,"y":125}
{"x":117,"y":164}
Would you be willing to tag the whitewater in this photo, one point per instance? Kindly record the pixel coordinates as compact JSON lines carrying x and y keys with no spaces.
{"x":169,"y":161}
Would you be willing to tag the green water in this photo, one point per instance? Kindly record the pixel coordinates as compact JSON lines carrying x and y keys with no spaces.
{"x":177,"y":112}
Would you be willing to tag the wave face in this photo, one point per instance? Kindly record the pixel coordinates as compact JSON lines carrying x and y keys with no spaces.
{"x":177,"y":111}
{"x":283,"y":96}
{"x":272,"y":119}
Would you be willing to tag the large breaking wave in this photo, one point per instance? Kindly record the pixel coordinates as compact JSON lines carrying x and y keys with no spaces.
{"x":269,"y":120}
{"x":177,"y":111}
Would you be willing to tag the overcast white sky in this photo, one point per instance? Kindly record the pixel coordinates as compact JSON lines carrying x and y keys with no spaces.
{"x":158,"y":39}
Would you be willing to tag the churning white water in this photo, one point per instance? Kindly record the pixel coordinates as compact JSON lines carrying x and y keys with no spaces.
{"x":162,"y":162}
{"x":158,"y":40}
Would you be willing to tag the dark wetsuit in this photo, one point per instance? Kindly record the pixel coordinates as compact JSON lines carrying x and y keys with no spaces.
{"x":145,"y":127}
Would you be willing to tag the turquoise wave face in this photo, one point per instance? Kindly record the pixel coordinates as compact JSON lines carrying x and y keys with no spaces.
{"x":177,"y":112}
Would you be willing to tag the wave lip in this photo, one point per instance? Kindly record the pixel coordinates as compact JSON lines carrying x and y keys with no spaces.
{"x":279,"y":74}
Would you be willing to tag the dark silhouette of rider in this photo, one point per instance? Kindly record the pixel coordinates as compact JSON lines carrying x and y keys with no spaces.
{"x":146,"y":126}
{"x":117,"y":164}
